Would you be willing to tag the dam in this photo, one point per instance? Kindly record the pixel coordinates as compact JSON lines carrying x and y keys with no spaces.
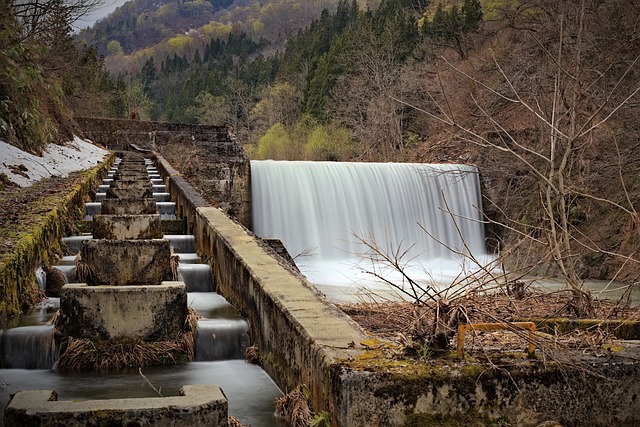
{"x":430,"y":215}
{"x":301,"y":336}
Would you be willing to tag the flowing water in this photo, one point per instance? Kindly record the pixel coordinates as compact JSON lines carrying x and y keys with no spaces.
{"x":28,"y":349}
{"x":197,"y":277}
{"x":431,"y":214}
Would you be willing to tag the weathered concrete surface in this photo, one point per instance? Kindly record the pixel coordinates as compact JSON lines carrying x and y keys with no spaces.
{"x":133,"y":184}
{"x":149,"y":313}
{"x":128,"y":206}
{"x":130,"y":175}
{"x":621,"y":329}
{"x":197,"y":405}
{"x":300,"y":334}
{"x":129,"y":193}
{"x":169,"y":226}
{"x":207,"y":156}
{"x":127,"y":262}
{"x":525,"y":393}
{"x":127,"y":227}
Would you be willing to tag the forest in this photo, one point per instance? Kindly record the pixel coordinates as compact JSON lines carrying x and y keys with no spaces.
{"x":542,"y":95}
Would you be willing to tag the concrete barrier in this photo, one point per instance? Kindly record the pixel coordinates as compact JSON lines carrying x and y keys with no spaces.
{"x":127,"y":227}
{"x":148,"y":313}
{"x":197,"y":405}
{"x":128,"y":206}
{"x":127,"y":262}
{"x":302,"y":336}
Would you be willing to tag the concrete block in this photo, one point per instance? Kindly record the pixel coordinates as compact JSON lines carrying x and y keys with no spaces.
{"x":133,"y":165}
{"x":134,"y":184}
{"x":128,"y":206}
{"x":122,"y":174}
{"x":127,"y":262}
{"x":129,"y":193}
{"x":126,"y":227}
{"x":149,"y":313}
{"x":197,"y":405}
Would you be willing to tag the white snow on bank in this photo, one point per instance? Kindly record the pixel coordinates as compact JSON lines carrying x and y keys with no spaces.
{"x":57,"y":160}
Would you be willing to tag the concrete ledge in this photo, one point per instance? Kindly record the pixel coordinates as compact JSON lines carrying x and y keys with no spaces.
{"x":621,"y":329}
{"x":169,"y":226}
{"x":301,"y":335}
{"x":132,"y":184}
{"x":198,"y":405}
{"x":149,"y":313}
{"x":129,"y":193}
{"x":127,"y":227}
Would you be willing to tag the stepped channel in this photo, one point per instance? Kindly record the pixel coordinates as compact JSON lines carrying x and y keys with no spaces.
{"x":127,"y":218}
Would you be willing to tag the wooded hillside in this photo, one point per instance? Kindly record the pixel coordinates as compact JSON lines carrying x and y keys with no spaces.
{"x":542,"y":95}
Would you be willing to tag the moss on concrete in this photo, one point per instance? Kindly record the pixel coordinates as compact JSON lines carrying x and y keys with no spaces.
{"x":456,"y":420}
{"x":35,"y":237}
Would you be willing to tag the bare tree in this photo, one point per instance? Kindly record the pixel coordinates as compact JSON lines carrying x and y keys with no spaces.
{"x":549,"y":121}
{"x":33,"y":14}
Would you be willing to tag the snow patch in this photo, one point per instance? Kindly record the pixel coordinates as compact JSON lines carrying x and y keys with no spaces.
{"x":24,"y":168}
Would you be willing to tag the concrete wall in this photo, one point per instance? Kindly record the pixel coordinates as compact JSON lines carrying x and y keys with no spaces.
{"x":301,"y":336}
{"x":148,"y":313}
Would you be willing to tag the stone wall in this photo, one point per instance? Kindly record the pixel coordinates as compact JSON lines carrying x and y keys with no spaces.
{"x":208,"y":157}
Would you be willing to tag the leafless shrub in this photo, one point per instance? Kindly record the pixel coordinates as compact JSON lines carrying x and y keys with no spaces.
{"x":294,"y":407}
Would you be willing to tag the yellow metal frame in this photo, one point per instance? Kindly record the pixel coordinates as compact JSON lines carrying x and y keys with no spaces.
{"x":512,"y":326}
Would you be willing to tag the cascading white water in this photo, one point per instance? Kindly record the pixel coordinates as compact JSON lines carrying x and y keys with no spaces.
{"x":318,"y":209}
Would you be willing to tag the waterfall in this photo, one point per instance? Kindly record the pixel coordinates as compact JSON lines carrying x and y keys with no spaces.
{"x":317,"y":208}
{"x":221,"y":339}
{"x":197,"y":277}
{"x":28,"y":347}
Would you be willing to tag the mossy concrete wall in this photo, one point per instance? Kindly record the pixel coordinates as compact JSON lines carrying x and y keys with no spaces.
{"x":513,"y":391}
{"x":127,"y":262}
{"x":41,"y":242}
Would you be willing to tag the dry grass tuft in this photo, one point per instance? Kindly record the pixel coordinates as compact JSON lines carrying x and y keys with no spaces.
{"x":252,"y":355}
{"x":84,"y":353}
{"x":294,"y":407}
{"x":233,"y":422}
